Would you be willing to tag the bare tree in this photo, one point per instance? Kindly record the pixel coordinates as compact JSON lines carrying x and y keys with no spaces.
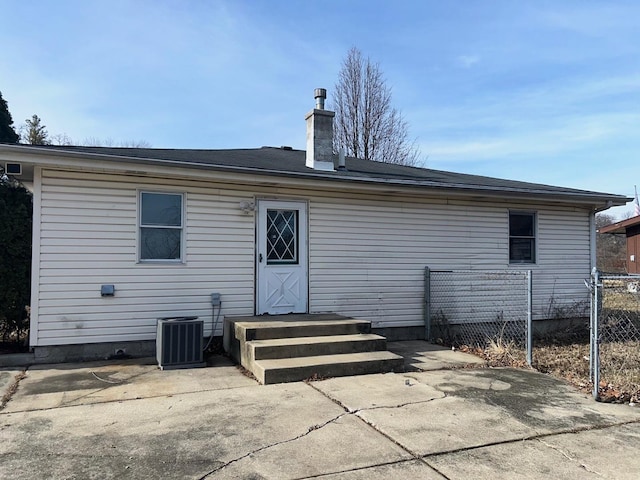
{"x":611,"y":248}
{"x":366,"y":124}
{"x":61,"y":139}
{"x":110,"y":142}
{"x":35,"y":133}
{"x":134,"y":144}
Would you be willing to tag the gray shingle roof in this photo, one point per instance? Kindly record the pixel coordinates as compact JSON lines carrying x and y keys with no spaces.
{"x":289,"y":162}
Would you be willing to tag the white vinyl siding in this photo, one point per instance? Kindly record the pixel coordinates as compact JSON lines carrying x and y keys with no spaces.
{"x":88,"y":238}
{"x":368,"y":259}
{"x":367,"y":253}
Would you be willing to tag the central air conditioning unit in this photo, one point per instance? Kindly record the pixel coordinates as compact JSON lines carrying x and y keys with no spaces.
{"x":179,"y":343}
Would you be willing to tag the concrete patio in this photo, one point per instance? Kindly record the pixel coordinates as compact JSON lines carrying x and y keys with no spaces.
{"x":445,"y":417}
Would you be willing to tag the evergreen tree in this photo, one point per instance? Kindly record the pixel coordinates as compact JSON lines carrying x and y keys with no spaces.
{"x":35,"y":132}
{"x":7,"y":133}
{"x":15,"y":258}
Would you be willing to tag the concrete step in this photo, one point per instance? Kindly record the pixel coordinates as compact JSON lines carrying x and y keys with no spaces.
{"x":301,"y":368}
{"x":248,"y":331}
{"x":294,"y":347}
{"x":313,"y":346}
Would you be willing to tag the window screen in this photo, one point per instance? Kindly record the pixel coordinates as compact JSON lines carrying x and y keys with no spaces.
{"x":522,"y":237}
{"x":160,"y":226}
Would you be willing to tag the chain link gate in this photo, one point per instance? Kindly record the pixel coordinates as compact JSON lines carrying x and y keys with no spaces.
{"x":615,"y":331}
{"x":474,"y":307}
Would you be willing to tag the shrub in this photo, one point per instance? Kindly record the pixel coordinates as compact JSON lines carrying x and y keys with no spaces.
{"x":16,"y":208}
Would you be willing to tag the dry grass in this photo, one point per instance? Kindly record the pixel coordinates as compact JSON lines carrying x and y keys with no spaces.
{"x":621,"y":300}
{"x":620,"y":372}
{"x":499,"y":353}
{"x":570,"y":362}
{"x":620,"y":354}
{"x":565,"y":354}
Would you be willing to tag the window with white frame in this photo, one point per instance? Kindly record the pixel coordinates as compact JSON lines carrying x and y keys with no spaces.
{"x":282,"y":237}
{"x":161,"y":226}
{"x":522,"y":237}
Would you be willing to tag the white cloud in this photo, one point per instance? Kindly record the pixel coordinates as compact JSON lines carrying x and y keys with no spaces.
{"x":468,"y":61}
{"x":551,"y":103}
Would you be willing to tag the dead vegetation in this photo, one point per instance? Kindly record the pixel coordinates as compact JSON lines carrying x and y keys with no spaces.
{"x":499,"y":353}
{"x":566,"y":353}
{"x":567,"y":357}
{"x":13,"y":388}
{"x":620,"y":372}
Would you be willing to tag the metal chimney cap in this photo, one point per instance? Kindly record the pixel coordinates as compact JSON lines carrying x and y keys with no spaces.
{"x":320,"y":94}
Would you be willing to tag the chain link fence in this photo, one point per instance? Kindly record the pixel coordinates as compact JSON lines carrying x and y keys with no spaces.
{"x":471,"y":307}
{"x":615,"y":334}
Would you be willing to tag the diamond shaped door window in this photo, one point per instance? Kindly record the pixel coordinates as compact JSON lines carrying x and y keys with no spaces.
{"x":282,"y":237}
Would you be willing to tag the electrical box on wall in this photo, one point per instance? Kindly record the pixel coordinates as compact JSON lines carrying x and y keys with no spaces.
{"x":107,"y":290}
{"x":215,"y":299}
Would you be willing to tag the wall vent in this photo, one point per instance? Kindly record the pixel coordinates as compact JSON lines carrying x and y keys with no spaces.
{"x":13,"y":169}
{"x":179,"y":343}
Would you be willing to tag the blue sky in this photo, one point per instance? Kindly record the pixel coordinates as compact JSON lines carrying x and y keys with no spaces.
{"x":539,"y":91}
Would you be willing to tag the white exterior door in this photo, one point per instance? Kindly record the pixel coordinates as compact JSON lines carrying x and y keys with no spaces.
{"x":281,"y":261}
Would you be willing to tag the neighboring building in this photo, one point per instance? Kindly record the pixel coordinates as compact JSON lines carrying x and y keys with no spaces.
{"x":631,"y":229}
{"x":275,"y":230}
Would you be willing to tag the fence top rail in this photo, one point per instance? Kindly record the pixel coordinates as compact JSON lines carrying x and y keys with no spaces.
{"x":632,"y":276}
{"x":485,"y":272}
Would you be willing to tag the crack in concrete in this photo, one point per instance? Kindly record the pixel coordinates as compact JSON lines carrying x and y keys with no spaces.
{"x":12,"y":388}
{"x":358,"y":469}
{"x":537,"y":436}
{"x":380,"y":432}
{"x":400,"y":405}
{"x":566,"y":455}
{"x":415,"y":455}
{"x":423,"y":458}
{"x":312,"y":428}
{"x":377,"y":407}
{"x":68,"y":404}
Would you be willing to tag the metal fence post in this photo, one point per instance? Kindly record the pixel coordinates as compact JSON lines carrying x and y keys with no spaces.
{"x":592,"y":313}
{"x":427,"y":303}
{"x":595,"y":341}
{"x":529,"y":319}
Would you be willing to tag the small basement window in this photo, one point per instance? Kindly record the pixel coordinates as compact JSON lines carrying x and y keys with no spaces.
{"x":522,"y":237}
{"x":160,"y":226}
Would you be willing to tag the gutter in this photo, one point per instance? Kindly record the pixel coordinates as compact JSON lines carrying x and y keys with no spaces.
{"x":606,"y":200}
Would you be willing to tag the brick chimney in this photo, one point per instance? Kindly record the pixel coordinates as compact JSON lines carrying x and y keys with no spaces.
{"x":320,"y":134}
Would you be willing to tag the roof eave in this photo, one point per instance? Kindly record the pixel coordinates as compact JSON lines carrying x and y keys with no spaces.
{"x":620,"y":227}
{"x":595,"y":200}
